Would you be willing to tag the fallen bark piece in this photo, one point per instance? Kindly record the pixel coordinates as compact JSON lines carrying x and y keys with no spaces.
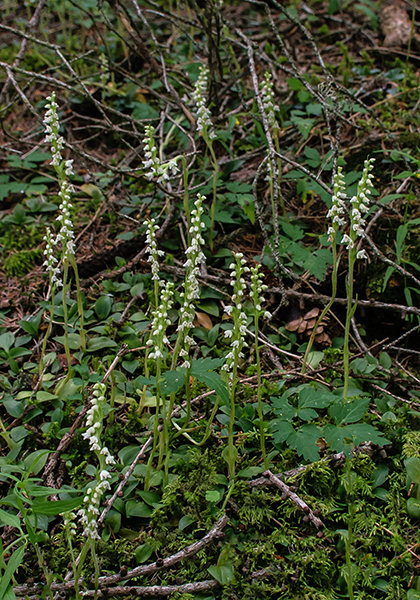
{"x":395,"y":25}
{"x":287,"y":493}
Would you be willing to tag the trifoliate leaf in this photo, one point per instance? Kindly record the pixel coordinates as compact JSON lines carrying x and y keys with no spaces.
{"x":281,"y":430}
{"x":349,"y":412}
{"x":304,"y":441}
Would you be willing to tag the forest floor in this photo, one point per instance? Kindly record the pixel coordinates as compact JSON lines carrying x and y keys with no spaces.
{"x":187,"y":435}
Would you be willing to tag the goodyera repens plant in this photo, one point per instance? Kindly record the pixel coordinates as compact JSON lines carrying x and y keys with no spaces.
{"x":359,"y":206}
{"x":153,"y":165}
{"x":94,"y":422}
{"x":65,"y":235}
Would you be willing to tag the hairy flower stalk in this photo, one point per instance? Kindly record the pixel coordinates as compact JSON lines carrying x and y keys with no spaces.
{"x":336,"y":214}
{"x":191,"y":293}
{"x":359,"y":207}
{"x":270,"y":110}
{"x":153,"y":165}
{"x":88,"y":514}
{"x":94,"y":422}
{"x":204,"y":124}
{"x":267,"y":97}
{"x":257,"y":289}
{"x":159,"y":343}
{"x":236,"y":335}
{"x":51,"y":262}
{"x":65,"y":235}
{"x":154,"y":254}
{"x":204,"y":127}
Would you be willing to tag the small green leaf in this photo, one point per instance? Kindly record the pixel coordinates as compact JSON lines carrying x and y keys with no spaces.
{"x":7,"y":340}
{"x":56,"y":507}
{"x":12,"y":566}
{"x":185,"y":522}
{"x":250,"y":472}
{"x":223,"y":574}
{"x":102,"y":307}
{"x":150,"y":498}
{"x":73,"y":338}
{"x":43,"y":396}
{"x":113,"y":520}
{"x":137,"y":509}
{"x":413,"y":469}
{"x":213,"y":496}
{"x":9,"y":519}
{"x":99,"y":343}
{"x":413,"y":508}
{"x":137,"y":289}
{"x":385,"y":360}
{"x":143,"y":553}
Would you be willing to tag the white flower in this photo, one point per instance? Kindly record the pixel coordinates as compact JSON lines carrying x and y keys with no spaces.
{"x":267,"y":97}
{"x":361,"y":254}
{"x":199,"y":99}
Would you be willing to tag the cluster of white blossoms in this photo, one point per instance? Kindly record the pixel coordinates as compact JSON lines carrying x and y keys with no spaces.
{"x":50,"y":261}
{"x":104,"y":68}
{"x":152,"y":249}
{"x":160,"y":322}
{"x":152,"y":165}
{"x":195,"y":258}
{"x":95,"y":416}
{"x":66,"y":233}
{"x":359,"y":207}
{"x":52,"y":127}
{"x":199,"y":99}
{"x":69,"y":523}
{"x":63,"y":169}
{"x":257,"y":290}
{"x":238,"y":332}
{"x":267,"y":97}
{"x":338,"y":208}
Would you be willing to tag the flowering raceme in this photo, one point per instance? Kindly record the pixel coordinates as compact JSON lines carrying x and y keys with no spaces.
{"x":204,"y":123}
{"x":267,"y":97}
{"x":238,"y":332}
{"x":195,"y":258}
{"x":64,"y":169}
{"x":359,"y":207}
{"x":152,"y":165}
{"x":95,"y":415}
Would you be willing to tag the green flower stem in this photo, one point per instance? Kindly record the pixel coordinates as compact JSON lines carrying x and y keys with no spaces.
{"x":66,"y":319}
{"x":97,"y":569}
{"x":349,"y":540}
{"x":215,"y":178}
{"x":232,"y":451}
{"x":48,"y":332}
{"x":277,"y":145}
{"x":80,"y":311}
{"x":334,"y":277}
{"x":186,"y":195}
{"x":350,"y":312}
{"x":112,"y":399}
{"x":259,"y":392}
{"x":155,"y":425}
{"x":82,"y":557}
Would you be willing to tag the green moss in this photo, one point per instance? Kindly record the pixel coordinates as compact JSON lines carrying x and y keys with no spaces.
{"x":22,"y":262}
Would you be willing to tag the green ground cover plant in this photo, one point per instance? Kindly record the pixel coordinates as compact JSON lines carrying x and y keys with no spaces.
{"x":209,"y":317}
